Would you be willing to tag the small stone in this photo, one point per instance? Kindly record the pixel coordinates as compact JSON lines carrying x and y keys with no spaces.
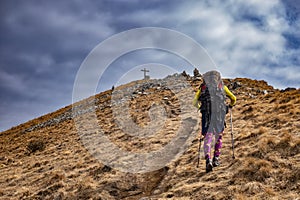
{"x":157,"y":191}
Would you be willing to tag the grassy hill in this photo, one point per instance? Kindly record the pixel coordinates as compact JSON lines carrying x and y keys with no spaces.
{"x":46,"y":158}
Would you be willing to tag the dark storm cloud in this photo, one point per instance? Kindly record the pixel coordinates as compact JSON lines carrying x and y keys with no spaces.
{"x":42,"y":45}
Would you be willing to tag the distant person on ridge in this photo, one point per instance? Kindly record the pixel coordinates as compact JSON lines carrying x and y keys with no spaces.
{"x":210,"y":99}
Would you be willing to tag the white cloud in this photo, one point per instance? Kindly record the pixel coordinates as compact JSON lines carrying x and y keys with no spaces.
{"x":287,"y":73}
{"x":238,"y":44}
{"x":245,"y":38}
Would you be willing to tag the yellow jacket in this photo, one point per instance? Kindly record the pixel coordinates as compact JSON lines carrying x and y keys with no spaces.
{"x":227,"y":92}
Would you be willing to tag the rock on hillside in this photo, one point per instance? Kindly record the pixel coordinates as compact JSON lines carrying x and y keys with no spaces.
{"x":46,"y":158}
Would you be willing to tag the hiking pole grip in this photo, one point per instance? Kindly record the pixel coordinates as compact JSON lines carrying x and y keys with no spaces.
{"x":232,"y":139}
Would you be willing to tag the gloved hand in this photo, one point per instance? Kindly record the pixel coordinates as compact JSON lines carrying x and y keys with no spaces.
{"x":228,"y":107}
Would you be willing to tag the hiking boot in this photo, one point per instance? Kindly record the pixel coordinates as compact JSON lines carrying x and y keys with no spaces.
{"x":209,"y":165}
{"x":216,"y":161}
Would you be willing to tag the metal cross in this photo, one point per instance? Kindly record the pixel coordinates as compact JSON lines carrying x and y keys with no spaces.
{"x":145,"y":75}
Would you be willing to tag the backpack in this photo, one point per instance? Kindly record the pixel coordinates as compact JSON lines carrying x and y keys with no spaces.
{"x":212,"y":99}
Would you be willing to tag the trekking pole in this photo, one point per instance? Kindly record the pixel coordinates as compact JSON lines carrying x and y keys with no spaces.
{"x":232,"y":139}
{"x":199,"y":151}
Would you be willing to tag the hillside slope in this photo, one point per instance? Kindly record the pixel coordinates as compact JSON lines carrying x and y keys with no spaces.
{"x":45,"y":158}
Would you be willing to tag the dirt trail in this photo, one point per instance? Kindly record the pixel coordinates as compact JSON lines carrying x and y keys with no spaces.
{"x":45,"y":158}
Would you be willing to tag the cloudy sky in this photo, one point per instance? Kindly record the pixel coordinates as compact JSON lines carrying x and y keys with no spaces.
{"x":43,"y":44}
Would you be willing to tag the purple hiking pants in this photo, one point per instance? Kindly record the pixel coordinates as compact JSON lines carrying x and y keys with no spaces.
{"x":207,"y":144}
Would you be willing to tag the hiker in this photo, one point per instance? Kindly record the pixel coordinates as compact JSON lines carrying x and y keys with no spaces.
{"x":210,"y":99}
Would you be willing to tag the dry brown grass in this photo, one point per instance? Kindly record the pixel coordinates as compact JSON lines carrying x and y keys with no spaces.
{"x":267,"y":147}
{"x":267,"y":144}
{"x":254,"y":169}
{"x":252,"y":187}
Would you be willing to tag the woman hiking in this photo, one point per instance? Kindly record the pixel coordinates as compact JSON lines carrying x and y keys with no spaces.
{"x":210,"y":99}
